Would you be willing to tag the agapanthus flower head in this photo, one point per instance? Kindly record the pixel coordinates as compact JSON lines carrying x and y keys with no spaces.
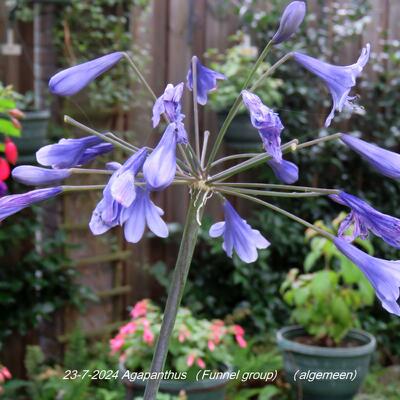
{"x":339,"y":79}
{"x":285,"y":171}
{"x":384,"y":161}
{"x":365,"y":218}
{"x":72,"y":80}
{"x":292,"y":17}
{"x":266,"y":122}
{"x":206,"y":80}
{"x":92,"y":152}
{"x":11,"y":151}
{"x":4,"y":169}
{"x":238,"y":235}
{"x":384,"y":275}
{"x":12,"y":204}
{"x":37,"y":176}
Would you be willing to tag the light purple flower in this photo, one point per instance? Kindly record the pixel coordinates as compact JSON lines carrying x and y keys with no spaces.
{"x":339,"y":79}
{"x":71,"y":80}
{"x":291,"y":19}
{"x":384,"y":161}
{"x":142,"y":212}
{"x":67,"y":153}
{"x":384,"y":275}
{"x":365,"y":218}
{"x":12,"y":204}
{"x":285,"y":171}
{"x":267,"y":122}
{"x":238,"y":235}
{"x":160,"y":167}
{"x":92,"y":152}
{"x":37,"y":176}
{"x":206,"y":80}
{"x":3,"y":189}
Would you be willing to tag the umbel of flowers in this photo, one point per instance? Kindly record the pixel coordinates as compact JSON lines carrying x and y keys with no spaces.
{"x":177,"y":160}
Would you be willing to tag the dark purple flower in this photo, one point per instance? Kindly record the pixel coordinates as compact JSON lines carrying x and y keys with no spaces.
{"x":206,"y":80}
{"x":37,"y":176}
{"x":160,"y":167}
{"x":291,"y":19}
{"x":71,"y":80}
{"x":12,"y":204}
{"x":142,"y":212}
{"x":92,"y":152}
{"x":384,"y":161}
{"x":384,"y":275}
{"x":238,"y":235}
{"x":285,"y":171}
{"x":67,"y":153}
{"x":3,"y":189}
{"x":267,"y":122}
{"x":365,"y":218}
{"x":339,"y":79}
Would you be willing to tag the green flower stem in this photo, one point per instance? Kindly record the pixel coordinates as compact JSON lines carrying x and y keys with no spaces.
{"x":175,"y":293}
{"x":272,"y":193}
{"x":82,"y":188}
{"x":236,"y":105}
{"x":318,"y":141}
{"x":233,"y":157}
{"x":204,"y":149}
{"x":195,"y":109}
{"x":90,"y":171}
{"x":281,"y":211}
{"x":122,"y":141}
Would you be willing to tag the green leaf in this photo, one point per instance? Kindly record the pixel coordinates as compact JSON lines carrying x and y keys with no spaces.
{"x":2,"y":147}
{"x":321,"y":284}
{"x":311,"y":259}
{"x":301,"y":295}
{"x":8,"y":129}
{"x":340,"y":310}
{"x":6,"y":104}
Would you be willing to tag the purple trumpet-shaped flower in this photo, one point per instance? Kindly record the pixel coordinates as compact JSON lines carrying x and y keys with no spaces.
{"x":238,"y":235}
{"x":143,"y":212}
{"x":384,"y":275}
{"x":285,"y":171}
{"x":267,"y":122}
{"x":72,"y":80}
{"x":92,"y":152}
{"x":169,"y":103}
{"x":206,"y":80}
{"x":365,"y":218}
{"x":384,"y":161}
{"x":12,"y":204}
{"x":67,"y":153}
{"x":290,"y":22}
{"x":339,"y":79}
{"x":37,"y":176}
{"x":3,"y":189}
{"x":160,"y":167}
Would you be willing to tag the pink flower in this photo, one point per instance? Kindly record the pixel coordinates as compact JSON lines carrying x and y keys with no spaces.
{"x":127,"y":329}
{"x":239,"y":333}
{"x":201,"y":363}
{"x":238,"y":330}
{"x":241,"y":341}
{"x":122,"y":357}
{"x":183,"y":334}
{"x":116,"y":343}
{"x":148,"y":336}
{"x":6,"y":373}
{"x":218,"y":330}
{"x":140,"y":309}
{"x":211,"y":345}
{"x":190,"y":360}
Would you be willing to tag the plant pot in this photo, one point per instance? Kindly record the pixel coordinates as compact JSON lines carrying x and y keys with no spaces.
{"x":207,"y":389}
{"x":33,"y":135}
{"x":241,"y":134}
{"x":302,"y":363}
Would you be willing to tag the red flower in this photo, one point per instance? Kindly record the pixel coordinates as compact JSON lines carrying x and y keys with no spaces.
{"x":16,"y":113}
{"x":4,"y":169}
{"x":11,"y":151}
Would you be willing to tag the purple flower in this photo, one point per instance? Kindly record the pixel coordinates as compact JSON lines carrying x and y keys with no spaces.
{"x":143,"y":212}
{"x":238,"y":235}
{"x":291,"y":19}
{"x":267,"y":122}
{"x":12,"y":204}
{"x":92,"y":152}
{"x":160,"y":167}
{"x":72,"y":80}
{"x":384,"y":275}
{"x":365,"y":218}
{"x":37,"y":176}
{"x":169,"y":103}
{"x":339,"y":79}
{"x":206,"y":80}
{"x":3,"y":189}
{"x":67,"y":153}
{"x":384,"y":161}
{"x":285,"y":171}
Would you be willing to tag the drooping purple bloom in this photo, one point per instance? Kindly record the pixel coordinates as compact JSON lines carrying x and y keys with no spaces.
{"x":67,"y":153}
{"x":365,"y":218}
{"x":3,"y":189}
{"x":92,"y":152}
{"x":160,"y":167}
{"x":285,"y":171}
{"x":12,"y":204}
{"x":238,"y":235}
{"x":384,"y":161}
{"x":71,"y":80}
{"x":142,"y":212}
{"x":169,"y":103}
{"x":339,"y":79}
{"x":206,"y":80}
{"x":384,"y":275}
{"x":37,"y":176}
{"x":291,"y":19}
{"x":267,"y":122}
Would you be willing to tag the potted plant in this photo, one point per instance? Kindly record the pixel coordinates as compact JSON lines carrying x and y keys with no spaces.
{"x":326,"y":356}
{"x":200,"y":357}
{"x":235,"y":64}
